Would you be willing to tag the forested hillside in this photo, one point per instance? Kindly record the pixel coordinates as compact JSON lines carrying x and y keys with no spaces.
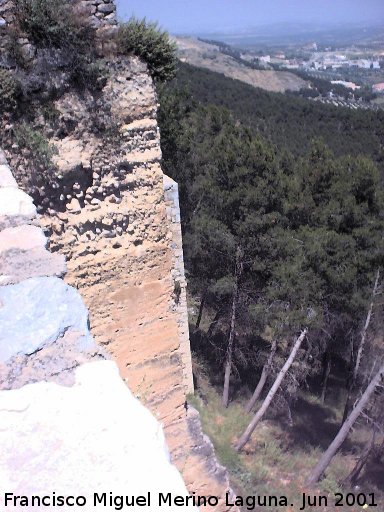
{"x":291,"y":123}
{"x":227,"y":60}
{"x":282,"y":213}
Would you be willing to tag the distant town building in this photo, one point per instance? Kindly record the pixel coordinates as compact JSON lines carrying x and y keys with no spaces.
{"x":310,"y":46}
{"x":348,"y":85}
{"x":378,"y":88}
{"x":364,"y":63}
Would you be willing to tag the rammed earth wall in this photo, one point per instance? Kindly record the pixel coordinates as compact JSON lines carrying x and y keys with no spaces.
{"x":116,"y":218}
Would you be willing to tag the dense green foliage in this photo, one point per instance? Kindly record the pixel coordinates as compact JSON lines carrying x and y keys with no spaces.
{"x":9,"y":91}
{"x":37,"y":145}
{"x":308,"y":221}
{"x":147,"y":41}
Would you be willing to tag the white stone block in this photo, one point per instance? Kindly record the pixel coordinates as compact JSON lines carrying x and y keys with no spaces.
{"x":23,"y":238}
{"x":91,"y":437}
{"x":6,"y":177}
{"x":14,"y":202}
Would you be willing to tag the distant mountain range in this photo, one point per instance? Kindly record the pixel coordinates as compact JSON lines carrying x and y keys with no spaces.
{"x":300,"y":33}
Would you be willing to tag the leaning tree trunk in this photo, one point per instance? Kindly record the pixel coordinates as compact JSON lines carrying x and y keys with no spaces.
{"x":353,"y":476}
{"x":263,"y":379}
{"x":363,"y":338}
{"x":213,"y":324}
{"x":201,"y":309}
{"x":326,"y":373}
{"x":334,"y":447}
{"x":267,"y":402}
{"x":228,"y":361}
{"x":365,"y":328}
{"x":231,"y":339}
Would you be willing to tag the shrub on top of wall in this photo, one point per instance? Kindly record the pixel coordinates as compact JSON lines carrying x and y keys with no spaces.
{"x":48,"y":23}
{"x":9,"y":91}
{"x":153,"y":45}
{"x":52,"y":25}
{"x":35,"y":143}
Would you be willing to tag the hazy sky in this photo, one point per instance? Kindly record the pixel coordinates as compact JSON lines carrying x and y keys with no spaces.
{"x":210,"y":15}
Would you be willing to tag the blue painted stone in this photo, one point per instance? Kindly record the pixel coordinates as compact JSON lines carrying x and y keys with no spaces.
{"x":38,"y":311}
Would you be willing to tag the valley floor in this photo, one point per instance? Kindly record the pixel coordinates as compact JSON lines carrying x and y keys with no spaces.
{"x":279,"y":457}
{"x":287,"y":445}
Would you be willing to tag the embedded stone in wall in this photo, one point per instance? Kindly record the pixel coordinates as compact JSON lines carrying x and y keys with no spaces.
{"x":16,"y":207}
{"x":55,"y":362}
{"x":6,"y":177}
{"x":18,"y":265}
{"x":22,"y":238}
{"x":97,"y":12}
{"x":38,"y":311}
{"x":15,"y":202}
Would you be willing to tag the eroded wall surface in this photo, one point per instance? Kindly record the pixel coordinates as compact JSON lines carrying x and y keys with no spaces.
{"x":69,"y":424}
{"x":116,"y":218}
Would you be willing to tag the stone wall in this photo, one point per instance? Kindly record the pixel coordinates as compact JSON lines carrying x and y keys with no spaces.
{"x":97,"y":12}
{"x":68,"y":422}
{"x":6,"y":19}
{"x":171,"y":198}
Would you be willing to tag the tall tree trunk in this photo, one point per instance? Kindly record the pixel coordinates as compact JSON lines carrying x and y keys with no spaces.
{"x":334,"y":447}
{"x":213,"y":324}
{"x":201,"y":309}
{"x":353,"y":476}
{"x":350,"y":385}
{"x":289,"y":414}
{"x":267,"y":402}
{"x":326,"y":373}
{"x":348,"y":403}
{"x":263,"y":379}
{"x":365,"y":328}
{"x":363,"y":338}
{"x":231,"y":339}
{"x":380,"y":451}
{"x":228,"y":361}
